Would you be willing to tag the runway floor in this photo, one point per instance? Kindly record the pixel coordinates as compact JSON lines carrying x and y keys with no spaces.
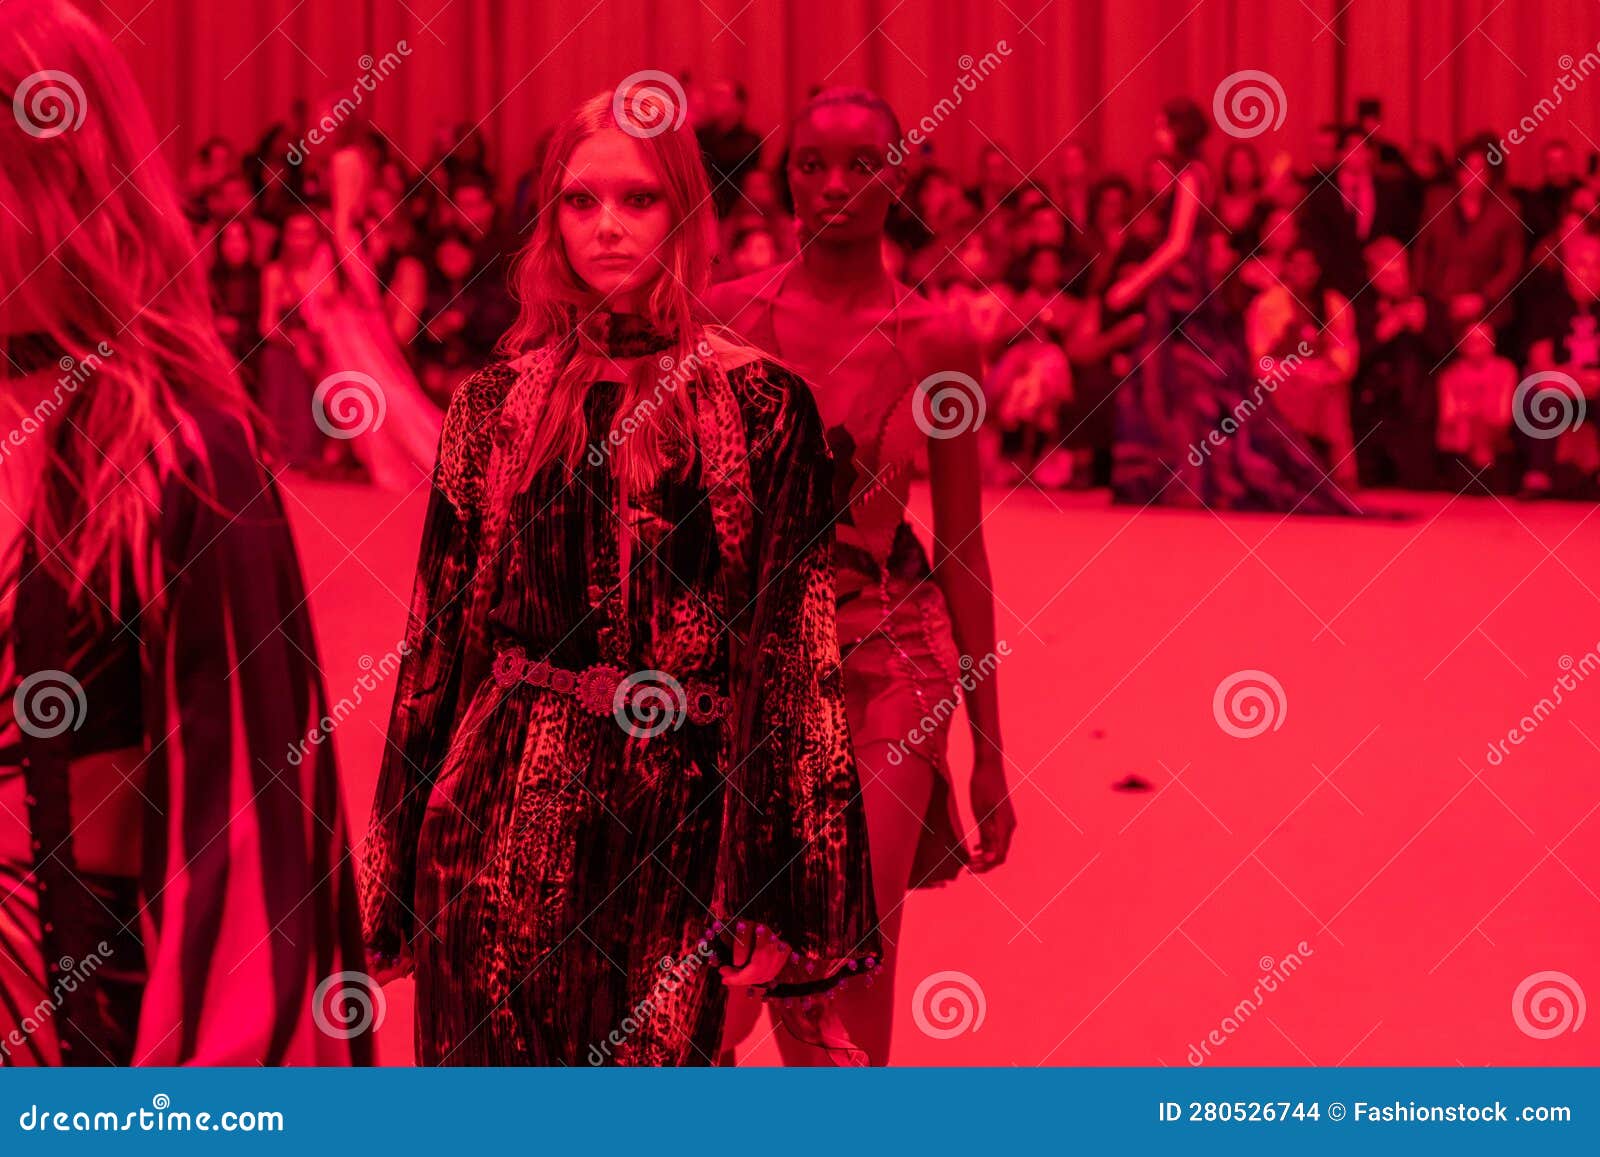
{"x":1358,"y":884}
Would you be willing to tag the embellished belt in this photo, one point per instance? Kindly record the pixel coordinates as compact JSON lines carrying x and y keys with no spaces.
{"x":645,"y":703}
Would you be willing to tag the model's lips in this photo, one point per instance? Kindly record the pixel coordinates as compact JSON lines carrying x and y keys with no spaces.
{"x":615,"y":259}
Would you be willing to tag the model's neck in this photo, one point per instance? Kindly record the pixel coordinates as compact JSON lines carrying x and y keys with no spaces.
{"x":844,"y":271}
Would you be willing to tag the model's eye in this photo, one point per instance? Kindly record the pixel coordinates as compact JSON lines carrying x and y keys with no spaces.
{"x":866,"y":163}
{"x":809,"y":165}
{"x":642,"y":200}
{"x":580,"y":200}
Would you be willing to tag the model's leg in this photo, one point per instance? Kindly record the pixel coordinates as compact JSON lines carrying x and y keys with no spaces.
{"x":896,"y":799}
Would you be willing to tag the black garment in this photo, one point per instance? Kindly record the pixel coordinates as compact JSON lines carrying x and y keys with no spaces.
{"x":1395,"y":401}
{"x":1542,"y":208}
{"x":1330,"y":224}
{"x":729,"y":154}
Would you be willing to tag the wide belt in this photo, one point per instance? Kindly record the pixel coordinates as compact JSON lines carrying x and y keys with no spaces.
{"x":645,"y":703}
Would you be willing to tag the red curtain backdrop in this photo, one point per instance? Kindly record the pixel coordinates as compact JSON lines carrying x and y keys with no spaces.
{"x":1093,"y":69}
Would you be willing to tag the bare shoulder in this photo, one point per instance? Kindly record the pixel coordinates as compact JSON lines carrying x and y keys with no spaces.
{"x":938,"y":337}
{"x":728,"y":301}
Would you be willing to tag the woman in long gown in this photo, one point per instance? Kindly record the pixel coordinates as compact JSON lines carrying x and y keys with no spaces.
{"x":893,"y":375}
{"x":173,"y":890}
{"x":368,"y":393}
{"x":618,"y":775}
{"x":1194,"y":425}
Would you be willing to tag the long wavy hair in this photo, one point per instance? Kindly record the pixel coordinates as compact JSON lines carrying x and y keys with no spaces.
{"x":556,"y":305}
{"x":95,"y":252}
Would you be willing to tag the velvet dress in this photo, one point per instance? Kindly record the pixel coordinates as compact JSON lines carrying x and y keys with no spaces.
{"x":563,"y":865}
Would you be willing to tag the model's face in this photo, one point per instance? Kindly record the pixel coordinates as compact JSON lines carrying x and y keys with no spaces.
{"x":614,"y":218}
{"x":839,"y":173}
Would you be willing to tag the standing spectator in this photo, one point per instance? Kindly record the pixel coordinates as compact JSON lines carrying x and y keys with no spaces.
{"x":1470,"y":250}
{"x":1074,"y":190}
{"x":236,"y":295}
{"x":997,"y":178}
{"x":1545,"y":204}
{"x":730,"y":147}
{"x":1349,"y":209}
{"x":1239,"y":203}
{"x":1402,"y":336}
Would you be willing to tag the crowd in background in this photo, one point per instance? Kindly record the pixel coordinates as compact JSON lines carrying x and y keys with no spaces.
{"x":1392,"y":298}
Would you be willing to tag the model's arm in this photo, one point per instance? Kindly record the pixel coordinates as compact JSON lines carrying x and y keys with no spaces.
{"x":1185,"y":208}
{"x":961,"y":568}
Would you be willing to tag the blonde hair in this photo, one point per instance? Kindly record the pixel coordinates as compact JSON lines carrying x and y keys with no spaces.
{"x":96,"y":253}
{"x":555,"y":302}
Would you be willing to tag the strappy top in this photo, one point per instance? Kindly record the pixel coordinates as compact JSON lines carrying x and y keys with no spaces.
{"x":874,"y":438}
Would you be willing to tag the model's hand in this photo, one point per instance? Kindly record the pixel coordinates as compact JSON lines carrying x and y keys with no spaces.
{"x":765,"y":960}
{"x":991,"y":805}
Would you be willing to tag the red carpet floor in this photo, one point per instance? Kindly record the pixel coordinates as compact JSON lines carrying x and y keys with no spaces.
{"x":1358,"y":884}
